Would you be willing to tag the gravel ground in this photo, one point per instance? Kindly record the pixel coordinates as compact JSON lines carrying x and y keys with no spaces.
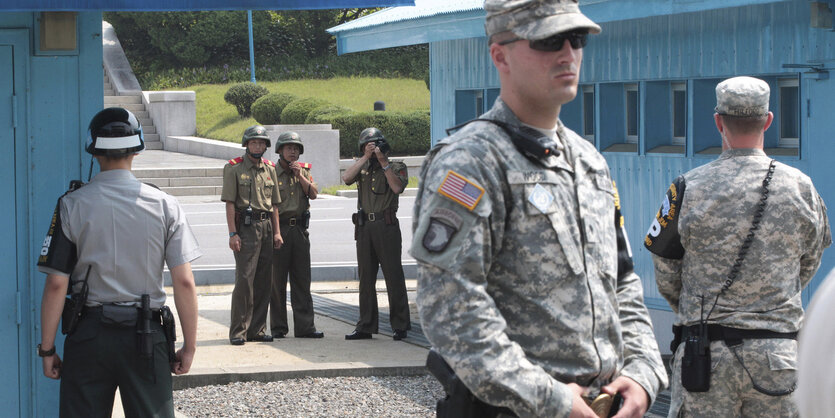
{"x":314,"y":397}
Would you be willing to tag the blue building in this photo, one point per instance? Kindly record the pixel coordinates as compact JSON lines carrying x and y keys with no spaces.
{"x":646,"y":96}
{"x":51,"y":84}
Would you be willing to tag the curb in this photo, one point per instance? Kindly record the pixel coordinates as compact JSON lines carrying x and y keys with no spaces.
{"x":336,"y":273}
{"x":207,"y":377}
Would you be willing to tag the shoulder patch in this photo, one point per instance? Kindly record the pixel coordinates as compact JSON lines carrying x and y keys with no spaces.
{"x":461,"y":190}
{"x":236,"y":160}
{"x":267,"y":162}
{"x":663,"y":238}
{"x":306,"y":165}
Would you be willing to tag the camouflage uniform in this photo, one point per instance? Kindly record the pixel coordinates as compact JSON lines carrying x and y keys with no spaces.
{"x":695,"y":239}
{"x":523,"y":285}
{"x":248,"y":184}
{"x":293,"y":257}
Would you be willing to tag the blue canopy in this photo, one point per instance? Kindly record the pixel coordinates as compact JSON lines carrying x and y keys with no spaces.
{"x":172,"y":5}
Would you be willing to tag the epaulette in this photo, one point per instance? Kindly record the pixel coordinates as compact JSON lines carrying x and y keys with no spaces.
{"x":306,"y":165}
{"x":268,"y":162}
{"x":235,"y":160}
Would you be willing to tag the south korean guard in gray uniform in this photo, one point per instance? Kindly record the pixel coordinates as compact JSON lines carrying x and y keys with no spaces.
{"x":734,"y":243}
{"x":109,"y":241}
{"x":525,"y":279}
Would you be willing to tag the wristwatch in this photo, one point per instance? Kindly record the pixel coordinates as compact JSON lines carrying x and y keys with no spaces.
{"x":233,"y":233}
{"x":47,"y":353}
{"x":388,"y":166}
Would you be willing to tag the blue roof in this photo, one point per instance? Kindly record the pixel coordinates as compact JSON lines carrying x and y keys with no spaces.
{"x":441,"y":20}
{"x":171,"y":5}
{"x":421,"y":9}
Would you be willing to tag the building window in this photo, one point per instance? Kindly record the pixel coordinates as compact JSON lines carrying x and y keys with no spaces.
{"x":679,"y":113}
{"x":632,"y":113}
{"x":789,"y":112}
{"x":470,"y":104}
{"x":588,"y":112}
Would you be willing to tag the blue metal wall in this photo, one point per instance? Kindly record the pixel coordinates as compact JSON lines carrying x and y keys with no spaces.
{"x":699,"y":48}
{"x":60,"y":92}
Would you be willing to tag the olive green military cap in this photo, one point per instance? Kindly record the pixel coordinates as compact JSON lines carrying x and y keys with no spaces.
{"x":535,"y":19}
{"x":289,"y":137}
{"x":255,"y":132}
{"x":745,"y":97}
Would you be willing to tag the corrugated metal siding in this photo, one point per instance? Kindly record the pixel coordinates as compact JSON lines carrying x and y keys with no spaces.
{"x":716,"y":44}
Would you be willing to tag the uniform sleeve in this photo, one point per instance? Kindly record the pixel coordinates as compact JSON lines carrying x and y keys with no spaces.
{"x":180,"y":243}
{"x":811,"y":260}
{"x":641,"y":357}
{"x":276,"y":198}
{"x":230,"y":184}
{"x":453,"y":242}
{"x":306,"y":173}
{"x":58,"y":254}
{"x":664,"y":242}
{"x":401,"y":172}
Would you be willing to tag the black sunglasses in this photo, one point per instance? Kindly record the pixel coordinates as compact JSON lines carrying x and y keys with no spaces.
{"x":577,"y":38}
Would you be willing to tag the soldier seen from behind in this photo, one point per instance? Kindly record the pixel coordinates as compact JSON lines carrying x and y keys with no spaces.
{"x":109,"y":241}
{"x":734,"y":244}
{"x":377,"y":231}
{"x":297,"y":188}
{"x":250,"y":190}
{"x":525,"y":280}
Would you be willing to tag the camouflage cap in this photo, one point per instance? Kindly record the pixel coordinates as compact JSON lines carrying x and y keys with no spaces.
{"x":535,"y":19}
{"x":745,"y":97}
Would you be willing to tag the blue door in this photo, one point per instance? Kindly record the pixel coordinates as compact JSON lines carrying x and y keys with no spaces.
{"x":9,"y":292}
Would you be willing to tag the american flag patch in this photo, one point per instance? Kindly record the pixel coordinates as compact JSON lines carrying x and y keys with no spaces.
{"x":461,"y":190}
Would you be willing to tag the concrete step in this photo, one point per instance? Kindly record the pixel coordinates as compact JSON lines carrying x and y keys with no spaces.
{"x":151,"y":173}
{"x":153,"y":145}
{"x":133,"y":107}
{"x":193,"y":190}
{"x":151,"y":137}
{"x":120,"y":100}
{"x":109,"y":92}
{"x":146,"y":121}
{"x":185,"y":181}
{"x":149,"y":129}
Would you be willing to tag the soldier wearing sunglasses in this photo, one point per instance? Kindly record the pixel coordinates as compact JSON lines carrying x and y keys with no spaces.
{"x":525,"y":279}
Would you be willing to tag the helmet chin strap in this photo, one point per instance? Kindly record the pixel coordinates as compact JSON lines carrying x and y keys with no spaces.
{"x":256,"y":156}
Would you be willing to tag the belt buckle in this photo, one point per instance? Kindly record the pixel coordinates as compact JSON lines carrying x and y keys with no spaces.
{"x":292,"y":222}
{"x":372,"y":217}
{"x":265,"y":216}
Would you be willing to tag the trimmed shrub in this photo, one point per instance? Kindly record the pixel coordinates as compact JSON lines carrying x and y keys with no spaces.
{"x":243,"y":95}
{"x":323,"y":114}
{"x":407,"y":132}
{"x":295,"y":113}
{"x":267,"y":109}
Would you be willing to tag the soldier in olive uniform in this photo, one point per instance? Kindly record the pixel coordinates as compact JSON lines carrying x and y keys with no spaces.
{"x":525,"y":279}
{"x":744,"y":291}
{"x":108,"y":241}
{"x":377,"y":231}
{"x":296,"y":186}
{"x":250,"y":191}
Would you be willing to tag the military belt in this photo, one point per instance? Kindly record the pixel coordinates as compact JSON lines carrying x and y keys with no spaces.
{"x":379,"y":216}
{"x":260,"y":216}
{"x":731,"y":336}
{"x":156,"y":314}
{"x":292,"y":221}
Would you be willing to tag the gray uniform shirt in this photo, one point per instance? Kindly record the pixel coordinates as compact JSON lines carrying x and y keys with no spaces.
{"x":519,"y":285}
{"x":125,"y":230}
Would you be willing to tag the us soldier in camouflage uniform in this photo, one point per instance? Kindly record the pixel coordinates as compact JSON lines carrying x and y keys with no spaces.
{"x":250,"y":190}
{"x":296,"y":186}
{"x":525,"y":280}
{"x":377,"y":231}
{"x":695,"y":239}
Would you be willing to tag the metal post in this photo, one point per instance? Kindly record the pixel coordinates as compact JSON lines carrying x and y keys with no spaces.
{"x":251,"y":47}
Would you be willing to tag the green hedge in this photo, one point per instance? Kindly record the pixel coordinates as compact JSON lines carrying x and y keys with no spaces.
{"x":267,"y":109}
{"x":325,"y":113}
{"x":243,"y":95}
{"x":295,"y":113}
{"x":407,"y":132}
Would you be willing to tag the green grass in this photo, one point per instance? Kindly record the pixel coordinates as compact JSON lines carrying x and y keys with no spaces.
{"x":413,"y":182}
{"x":217,"y":119}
